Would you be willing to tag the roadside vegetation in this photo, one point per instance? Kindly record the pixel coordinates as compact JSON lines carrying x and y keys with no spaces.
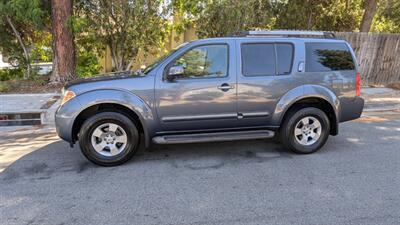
{"x":74,"y":35}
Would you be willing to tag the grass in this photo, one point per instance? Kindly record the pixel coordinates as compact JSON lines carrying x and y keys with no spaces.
{"x":37,"y":84}
{"x":4,"y":87}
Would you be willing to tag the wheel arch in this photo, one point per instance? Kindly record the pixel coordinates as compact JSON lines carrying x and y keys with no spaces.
{"x":306,"y":96}
{"x":118,"y":101}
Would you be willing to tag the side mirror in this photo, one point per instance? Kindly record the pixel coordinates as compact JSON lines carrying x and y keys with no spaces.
{"x":175,"y":71}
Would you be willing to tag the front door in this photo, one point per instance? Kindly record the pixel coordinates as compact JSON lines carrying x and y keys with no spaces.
{"x":204,"y":96}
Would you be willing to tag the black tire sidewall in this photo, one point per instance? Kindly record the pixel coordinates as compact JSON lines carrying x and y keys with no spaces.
{"x":93,"y":122}
{"x":289,"y":138}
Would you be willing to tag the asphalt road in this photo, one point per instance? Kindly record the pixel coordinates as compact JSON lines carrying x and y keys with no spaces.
{"x":355,"y":179}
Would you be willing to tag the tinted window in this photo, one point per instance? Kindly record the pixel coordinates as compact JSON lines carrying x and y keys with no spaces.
{"x":328,"y":57}
{"x":258,"y":59}
{"x":285,"y":58}
{"x":204,"y":62}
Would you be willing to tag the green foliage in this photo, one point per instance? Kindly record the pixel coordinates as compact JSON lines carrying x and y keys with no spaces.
{"x":87,"y":65}
{"x":388,"y":17}
{"x":223,"y":17}
{"x":26,"y":16}
{"x":4,"y":87}
{"x":330,"y":15}
{"x":38,"y":79}
{"x":41,"y":48}
{"x":124,"y":26}
{"x":9,"y":74}
{"x":215,"y":18}
{"x":28,"y":11}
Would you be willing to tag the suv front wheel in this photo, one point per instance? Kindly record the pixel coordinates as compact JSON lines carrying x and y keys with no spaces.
{"x":305,"y":131}
{"x":108,"y":139}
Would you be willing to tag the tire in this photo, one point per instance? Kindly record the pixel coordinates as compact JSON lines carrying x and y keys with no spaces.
{"x":108,"y":139}
{"x":308,"y":137}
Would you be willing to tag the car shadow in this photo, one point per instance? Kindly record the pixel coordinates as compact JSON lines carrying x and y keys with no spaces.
{"x":57,"y":157}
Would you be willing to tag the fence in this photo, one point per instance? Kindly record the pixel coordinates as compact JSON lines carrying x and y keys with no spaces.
{"x":378,"y":55}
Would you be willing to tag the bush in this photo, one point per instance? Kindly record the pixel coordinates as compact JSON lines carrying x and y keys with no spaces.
{"x":88,"y":65}
{"x":4,"y":87}
{"x":38,"y":79}
{"x":9,"y":74}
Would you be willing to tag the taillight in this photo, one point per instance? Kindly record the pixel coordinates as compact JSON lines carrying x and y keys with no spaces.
{"x":358,"y":84}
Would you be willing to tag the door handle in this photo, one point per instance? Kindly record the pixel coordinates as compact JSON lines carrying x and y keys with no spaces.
{"x":225,"y":87}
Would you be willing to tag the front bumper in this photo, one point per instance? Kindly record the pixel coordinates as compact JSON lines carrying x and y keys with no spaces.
{"x":64,"y":119}
{"x":351,"y":109}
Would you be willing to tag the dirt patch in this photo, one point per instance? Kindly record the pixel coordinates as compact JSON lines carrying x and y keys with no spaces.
{"x":37,"y":85}
{"x":395,"y":86}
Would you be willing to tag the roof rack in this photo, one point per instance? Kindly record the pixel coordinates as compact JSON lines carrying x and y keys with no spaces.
{"x":285,"y":33}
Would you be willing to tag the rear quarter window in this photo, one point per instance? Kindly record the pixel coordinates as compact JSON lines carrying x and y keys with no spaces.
{"x":322,"y":57}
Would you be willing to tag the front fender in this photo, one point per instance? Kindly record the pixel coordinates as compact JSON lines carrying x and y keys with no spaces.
{"x":303,"y":92}
{"x":124,"y":98}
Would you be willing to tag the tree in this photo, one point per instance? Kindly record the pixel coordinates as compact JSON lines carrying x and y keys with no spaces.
{"x":387,"y":17}
{"x":63,"y":41}
{"x":124,"y":26}
{"x":224,"y":17}
{"x":19,"y":20}
{"x":369,"y":13}
{"x":330,"y":15}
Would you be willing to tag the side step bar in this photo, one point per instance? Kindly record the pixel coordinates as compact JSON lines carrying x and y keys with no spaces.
{"x":213,"y":137}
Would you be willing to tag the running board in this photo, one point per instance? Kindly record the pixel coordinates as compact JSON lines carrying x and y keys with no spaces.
{"x":213,"y":137}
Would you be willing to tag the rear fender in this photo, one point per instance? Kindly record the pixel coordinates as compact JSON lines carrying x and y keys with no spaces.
{"x":303,"y":92}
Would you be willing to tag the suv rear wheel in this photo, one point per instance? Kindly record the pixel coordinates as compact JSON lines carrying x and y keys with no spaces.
{"x":108,"y":139}
{"x":305,"y":131}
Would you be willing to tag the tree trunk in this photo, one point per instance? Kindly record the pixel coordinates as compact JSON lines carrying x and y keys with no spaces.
{"x":369,"y":13}
{"x":64,"y":47}
{"x":21,"y":43}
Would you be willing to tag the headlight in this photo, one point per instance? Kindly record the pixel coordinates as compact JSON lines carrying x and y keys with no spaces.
{"x":68,"y":95}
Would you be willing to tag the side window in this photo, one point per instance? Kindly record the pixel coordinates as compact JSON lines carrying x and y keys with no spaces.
{"x":258,"y":59}
{"x":328,"y":57}
{"x":284,"y":53}
{"x":204,"y":62}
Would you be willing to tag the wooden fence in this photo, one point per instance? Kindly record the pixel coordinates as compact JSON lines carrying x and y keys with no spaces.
{"x":378,"y":55}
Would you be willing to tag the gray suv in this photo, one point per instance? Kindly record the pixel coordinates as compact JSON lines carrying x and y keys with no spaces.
{"x":297,"y":86}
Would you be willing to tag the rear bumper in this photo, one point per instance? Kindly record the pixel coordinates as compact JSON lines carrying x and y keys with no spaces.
{"x":351,"y":109}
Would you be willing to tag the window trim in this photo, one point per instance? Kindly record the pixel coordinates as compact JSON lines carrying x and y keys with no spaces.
{"x":169,"y":65}
{"x":274,"y":43}
{"x":324,"y":71}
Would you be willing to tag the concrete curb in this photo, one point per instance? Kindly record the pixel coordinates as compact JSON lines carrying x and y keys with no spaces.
{"x":16,"y":107}
{"x":381,"y":109}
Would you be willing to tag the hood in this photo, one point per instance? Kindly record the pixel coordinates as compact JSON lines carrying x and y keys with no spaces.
{"x":104,"y":77}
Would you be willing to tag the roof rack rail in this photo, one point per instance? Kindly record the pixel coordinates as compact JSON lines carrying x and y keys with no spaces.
{"x":285,"y":33}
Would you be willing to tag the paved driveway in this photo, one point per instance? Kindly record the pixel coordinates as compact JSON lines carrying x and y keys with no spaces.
{"x":355,"y":179}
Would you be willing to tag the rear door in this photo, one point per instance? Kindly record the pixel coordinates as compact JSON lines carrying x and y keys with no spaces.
{"x":264,"y":75}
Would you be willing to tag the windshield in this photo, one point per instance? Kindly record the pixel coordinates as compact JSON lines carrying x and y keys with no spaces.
{"x":154,"y":64}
